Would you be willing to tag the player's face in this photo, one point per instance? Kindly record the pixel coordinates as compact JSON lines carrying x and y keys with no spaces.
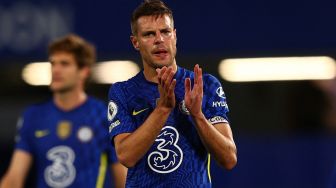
{"x":65,"y":73}
{"x":156,"y":41}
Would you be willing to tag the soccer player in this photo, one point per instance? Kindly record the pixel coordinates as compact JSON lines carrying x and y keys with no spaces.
{"x":166,"y":120}
{"x":66,"y":136}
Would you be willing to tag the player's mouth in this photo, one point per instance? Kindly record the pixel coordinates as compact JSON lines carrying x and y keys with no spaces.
{"x":161,"y":53}
{"x":56,"y":79}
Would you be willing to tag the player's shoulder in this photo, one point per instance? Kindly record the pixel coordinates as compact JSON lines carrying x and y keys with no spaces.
{"x":209,"y":78}
{"x":211,"y":83}
{"x":95,"y":101}
{"x":39,"y":106}
{"x":38,"y":109}
{"x":206,"y":76}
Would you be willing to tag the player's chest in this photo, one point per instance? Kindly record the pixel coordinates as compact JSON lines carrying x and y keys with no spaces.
{"x":140,"y":108}
{"x":51,"y":132}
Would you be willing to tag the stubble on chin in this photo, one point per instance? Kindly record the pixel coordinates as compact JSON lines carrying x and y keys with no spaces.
{"x":156,"y":65}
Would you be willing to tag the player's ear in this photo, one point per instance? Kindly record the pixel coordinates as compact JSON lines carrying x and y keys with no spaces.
{"x":84,"y":72}
{"x":135,"y":42}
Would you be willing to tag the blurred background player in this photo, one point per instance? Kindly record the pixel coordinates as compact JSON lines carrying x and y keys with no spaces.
{"x":163,"y":125}
{"x":67,"y":136}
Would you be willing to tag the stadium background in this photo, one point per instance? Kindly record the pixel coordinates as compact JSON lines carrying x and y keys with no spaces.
{"x":277,"y":145}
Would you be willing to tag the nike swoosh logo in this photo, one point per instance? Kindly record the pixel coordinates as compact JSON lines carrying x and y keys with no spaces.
{"x":41,"y":133}
{"x":138,"y":112}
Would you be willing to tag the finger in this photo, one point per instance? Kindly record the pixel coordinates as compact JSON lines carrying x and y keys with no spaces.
{"x":158,"y":71}
{"x":172,"y":87}
{"x":170,"y":77}
{"x":195,"y":74}
{"x":165,"y":74}
{"x":162,"y":72}
{"x":187,"y":86}
{"x":200,"y":78}
{"x":165,"y":79}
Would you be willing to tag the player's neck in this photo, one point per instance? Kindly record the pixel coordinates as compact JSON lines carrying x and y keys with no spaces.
{"x":70,"y":99}
{"x":151,"y":74}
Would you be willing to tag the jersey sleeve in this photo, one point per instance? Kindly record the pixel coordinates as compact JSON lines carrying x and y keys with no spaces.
{"x":109,"y":148}
{"x":23,"y":137}
{"x":112,"y":156}
{"x":215,"y":107}
{"x":118,"y":115}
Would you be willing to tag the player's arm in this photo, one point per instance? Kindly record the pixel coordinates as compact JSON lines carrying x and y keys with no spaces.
{"x":217,"y":139}
{"x":17,"y":171}
{"x":131,"y":147}
{"x":119,"y":173}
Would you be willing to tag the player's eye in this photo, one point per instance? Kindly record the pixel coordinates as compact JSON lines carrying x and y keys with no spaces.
{"x":65,"y":62}
{"x":166,"y":32}
{"x":149,"y":34}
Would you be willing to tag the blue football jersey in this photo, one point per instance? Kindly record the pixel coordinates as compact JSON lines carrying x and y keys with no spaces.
{"x":177,"y":158}
{"x":70,"y":149}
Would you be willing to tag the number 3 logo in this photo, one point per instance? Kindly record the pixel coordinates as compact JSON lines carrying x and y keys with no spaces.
{"x":168,"y":156}
{"x":61,"y":172}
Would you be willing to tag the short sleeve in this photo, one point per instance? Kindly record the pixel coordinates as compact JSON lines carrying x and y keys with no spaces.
{"x":119,"y":118}
{"x":108,"y":147}
{"x":215,"y":106}
{"x":23,"y":136}
{"x":112,"y":156}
